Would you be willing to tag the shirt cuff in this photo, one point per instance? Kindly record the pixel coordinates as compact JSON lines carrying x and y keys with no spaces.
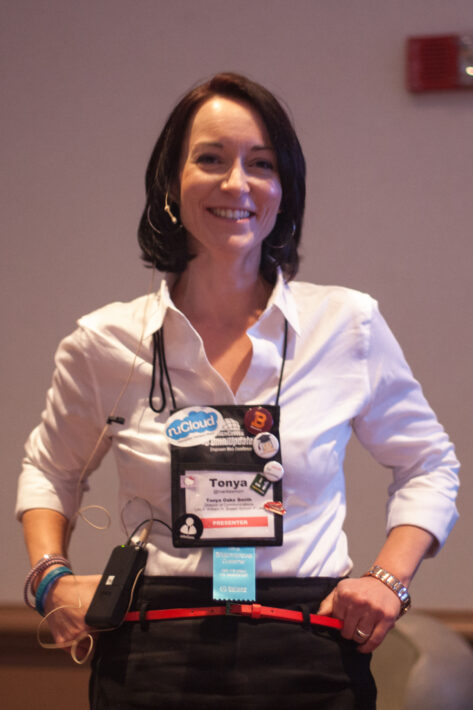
{"x":423,"y":510}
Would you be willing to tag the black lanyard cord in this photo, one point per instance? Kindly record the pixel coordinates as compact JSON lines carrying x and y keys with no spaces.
{"x":160,"y":355}
{"x":158,"y":349}
{"x":284,"y":352}
{"x":164,"y":366}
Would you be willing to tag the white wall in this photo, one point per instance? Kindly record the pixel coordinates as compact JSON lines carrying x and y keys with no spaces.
{"x":86,"y":86}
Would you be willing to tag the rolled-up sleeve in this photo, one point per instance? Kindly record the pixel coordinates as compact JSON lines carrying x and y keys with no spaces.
{"x":401,"y":431}
{"x":56,"y":465}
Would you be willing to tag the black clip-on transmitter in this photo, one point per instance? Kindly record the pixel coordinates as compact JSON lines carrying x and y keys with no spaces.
{"x":112,"y":597}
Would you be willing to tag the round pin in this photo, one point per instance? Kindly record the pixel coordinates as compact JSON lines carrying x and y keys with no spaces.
{"x":273,"y":471}
{"x":265,"y":445}
{"x":257,"y":420}
{"x":188,"y":527}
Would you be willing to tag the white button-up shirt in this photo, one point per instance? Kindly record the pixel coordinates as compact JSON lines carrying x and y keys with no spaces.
{"x":344,"y":373}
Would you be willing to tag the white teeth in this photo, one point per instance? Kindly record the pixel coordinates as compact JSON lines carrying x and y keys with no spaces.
{"x":230,"y":214}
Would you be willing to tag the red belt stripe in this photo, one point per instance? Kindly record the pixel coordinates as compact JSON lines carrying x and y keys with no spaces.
{"x":254,"y":611}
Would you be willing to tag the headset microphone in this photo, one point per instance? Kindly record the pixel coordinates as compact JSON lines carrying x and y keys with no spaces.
{"x":167,"y":209}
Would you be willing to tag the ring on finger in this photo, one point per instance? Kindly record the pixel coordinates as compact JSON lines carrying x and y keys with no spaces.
{"x":361,"y":634}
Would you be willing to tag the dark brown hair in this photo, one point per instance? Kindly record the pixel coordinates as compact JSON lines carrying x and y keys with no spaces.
{"x":164,"y":243}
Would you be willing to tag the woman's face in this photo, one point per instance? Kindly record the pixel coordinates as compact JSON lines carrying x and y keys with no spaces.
{"x":230,"y":190}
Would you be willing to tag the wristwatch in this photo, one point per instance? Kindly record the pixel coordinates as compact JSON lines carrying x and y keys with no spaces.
{"x":394,"y":585}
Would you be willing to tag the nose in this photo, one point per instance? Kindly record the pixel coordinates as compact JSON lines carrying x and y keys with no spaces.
{"x":236,"y":179}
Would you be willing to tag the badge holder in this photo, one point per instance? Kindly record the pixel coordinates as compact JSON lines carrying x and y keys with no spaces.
{"x":220,"y":493}
{"x":226,"y":485}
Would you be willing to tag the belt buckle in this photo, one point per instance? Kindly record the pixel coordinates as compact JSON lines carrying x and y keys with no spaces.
{"x":229,"y":610}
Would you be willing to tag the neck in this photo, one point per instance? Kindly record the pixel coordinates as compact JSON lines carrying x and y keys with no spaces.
{"x":222,"y":295}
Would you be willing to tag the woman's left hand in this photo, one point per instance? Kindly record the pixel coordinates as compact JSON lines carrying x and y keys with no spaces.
{"x":367,"y":608}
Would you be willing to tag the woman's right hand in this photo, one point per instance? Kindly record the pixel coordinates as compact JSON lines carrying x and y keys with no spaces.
{"x":66,"y":606}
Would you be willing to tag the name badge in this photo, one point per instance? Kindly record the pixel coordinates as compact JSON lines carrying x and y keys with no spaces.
{"x":214,"y":465}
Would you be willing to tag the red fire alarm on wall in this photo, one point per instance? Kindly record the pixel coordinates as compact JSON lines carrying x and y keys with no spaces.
{"x":440,"y":62}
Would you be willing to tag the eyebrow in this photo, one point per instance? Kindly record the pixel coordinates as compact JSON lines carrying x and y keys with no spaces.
{"x":217,"y":144}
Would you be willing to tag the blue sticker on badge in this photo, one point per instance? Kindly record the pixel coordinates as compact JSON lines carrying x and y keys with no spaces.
{"x":193,"y":426}
{"x":234,"y":574}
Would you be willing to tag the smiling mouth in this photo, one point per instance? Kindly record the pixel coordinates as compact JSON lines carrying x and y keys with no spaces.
{"x":230,"y":214}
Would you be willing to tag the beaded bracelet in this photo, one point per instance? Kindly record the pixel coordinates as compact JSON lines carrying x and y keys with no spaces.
{"x":46,"y":584}
{"x":42,"y":565}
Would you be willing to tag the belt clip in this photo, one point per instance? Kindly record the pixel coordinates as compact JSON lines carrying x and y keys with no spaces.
{"x":228,"y":609}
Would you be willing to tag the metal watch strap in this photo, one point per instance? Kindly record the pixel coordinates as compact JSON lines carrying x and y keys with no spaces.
{"x":394,"y":584}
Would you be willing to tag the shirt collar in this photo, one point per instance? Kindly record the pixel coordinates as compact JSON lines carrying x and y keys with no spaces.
{"x":161,"y":302}
{"x":281,"y":298}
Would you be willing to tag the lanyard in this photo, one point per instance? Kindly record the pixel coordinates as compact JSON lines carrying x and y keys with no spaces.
{"x":221,"y":485}
{"x":159,"y":355}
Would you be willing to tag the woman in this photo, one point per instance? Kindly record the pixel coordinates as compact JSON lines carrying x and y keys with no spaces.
{"x":230,"y":334}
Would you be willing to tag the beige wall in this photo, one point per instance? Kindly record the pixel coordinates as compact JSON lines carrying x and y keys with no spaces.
{"x":86,"y":86}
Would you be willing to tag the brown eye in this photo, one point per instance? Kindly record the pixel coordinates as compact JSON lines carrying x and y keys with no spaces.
{"x":208,"y":159}
{"x":265,"y":165}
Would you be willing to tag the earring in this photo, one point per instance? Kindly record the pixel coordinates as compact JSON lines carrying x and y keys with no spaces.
{"x":167,"y":209}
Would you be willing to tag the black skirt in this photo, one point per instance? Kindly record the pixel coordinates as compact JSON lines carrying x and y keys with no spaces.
{"x":229,"y":662}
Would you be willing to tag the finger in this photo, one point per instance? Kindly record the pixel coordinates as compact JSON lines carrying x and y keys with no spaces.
{"x":357,"y":628}
{"x":376,"y":637}
{"x":363,"y":632}
{"x":326,"y":605}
